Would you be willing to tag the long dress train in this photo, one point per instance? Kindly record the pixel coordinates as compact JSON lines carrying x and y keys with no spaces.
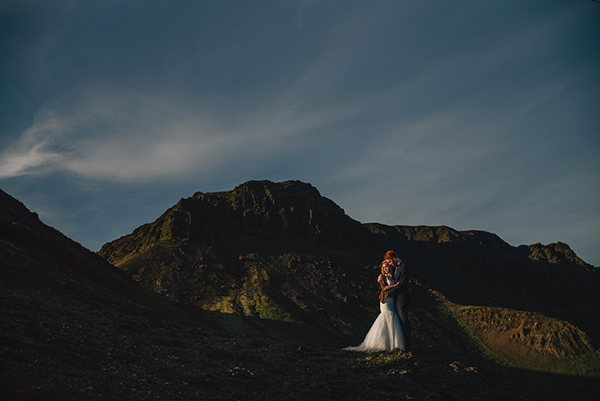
{"x":385,"y":334}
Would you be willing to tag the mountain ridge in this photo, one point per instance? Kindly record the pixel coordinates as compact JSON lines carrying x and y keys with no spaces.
{"x":186,"y":252}
{"x":256,"y":208}
{"x":283,"y":304}
{"x":479,"y":268}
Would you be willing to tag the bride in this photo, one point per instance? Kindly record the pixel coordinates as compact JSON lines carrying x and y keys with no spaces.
{"x":385,"y":334}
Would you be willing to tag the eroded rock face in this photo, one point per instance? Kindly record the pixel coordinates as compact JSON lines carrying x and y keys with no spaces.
{"x":527,"y":338}
{"x":557,"y":253}
{"x":256,"y":208}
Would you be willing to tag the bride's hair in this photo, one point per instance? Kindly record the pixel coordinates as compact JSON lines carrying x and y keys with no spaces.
{"x":386,"y":263}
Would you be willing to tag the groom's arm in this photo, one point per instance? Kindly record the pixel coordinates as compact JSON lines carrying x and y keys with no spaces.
{"x":401,"y":277}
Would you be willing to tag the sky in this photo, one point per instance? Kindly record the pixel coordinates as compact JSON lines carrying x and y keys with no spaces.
{"x":477,"y":115}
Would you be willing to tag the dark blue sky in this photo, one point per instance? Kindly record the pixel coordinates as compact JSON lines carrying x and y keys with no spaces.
{"x":474,"y":115}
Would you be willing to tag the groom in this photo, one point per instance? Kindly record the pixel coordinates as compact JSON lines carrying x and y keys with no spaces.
{"x":400,"y":294}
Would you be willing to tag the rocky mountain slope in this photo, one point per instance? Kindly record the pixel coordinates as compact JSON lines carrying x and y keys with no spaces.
{"x":275,"y":303}
{"x":280,"y":259}
{"x":265,"y":254}
{"x":479,"y":268}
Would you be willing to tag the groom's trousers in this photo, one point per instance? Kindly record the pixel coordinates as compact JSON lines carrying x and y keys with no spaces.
{"x":405,"y":324}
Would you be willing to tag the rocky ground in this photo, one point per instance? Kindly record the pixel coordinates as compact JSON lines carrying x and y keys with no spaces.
{"x":73,"y":342}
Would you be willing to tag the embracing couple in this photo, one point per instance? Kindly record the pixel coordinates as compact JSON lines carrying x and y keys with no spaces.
{"x":391,"y":329}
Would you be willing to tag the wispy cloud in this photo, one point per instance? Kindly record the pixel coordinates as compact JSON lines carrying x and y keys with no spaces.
{"x":131,"y":136}
{"x":35,"y":151}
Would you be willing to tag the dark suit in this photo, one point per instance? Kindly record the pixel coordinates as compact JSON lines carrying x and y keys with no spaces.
{"x":402,"y":300}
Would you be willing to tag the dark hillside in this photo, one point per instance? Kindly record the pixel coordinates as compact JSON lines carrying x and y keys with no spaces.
{"x":20,"y":228}
{"x":268,"y":309}
{"x":479,"y":268}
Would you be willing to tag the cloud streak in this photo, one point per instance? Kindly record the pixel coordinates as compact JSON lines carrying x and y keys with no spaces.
{"x":131,"y":136}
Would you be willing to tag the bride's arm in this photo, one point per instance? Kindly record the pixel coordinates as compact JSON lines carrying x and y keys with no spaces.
{"x":388,"y":287}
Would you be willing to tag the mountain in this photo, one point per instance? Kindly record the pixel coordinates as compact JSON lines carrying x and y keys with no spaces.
{"x":266,"y":254}
{"x":276,"y":302}
{"x":280,"y":259}
{"x":257,"y":208}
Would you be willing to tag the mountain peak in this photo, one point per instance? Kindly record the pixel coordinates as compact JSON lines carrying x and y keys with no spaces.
{"x":267,"y":208}
{"x":555,"y":253}
{"x":256,"y":208}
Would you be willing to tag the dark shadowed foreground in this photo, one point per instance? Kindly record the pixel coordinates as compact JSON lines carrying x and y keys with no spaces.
{"x":71,"y":340}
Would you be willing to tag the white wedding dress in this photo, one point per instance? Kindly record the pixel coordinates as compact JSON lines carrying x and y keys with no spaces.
{"x":385,"y":334}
